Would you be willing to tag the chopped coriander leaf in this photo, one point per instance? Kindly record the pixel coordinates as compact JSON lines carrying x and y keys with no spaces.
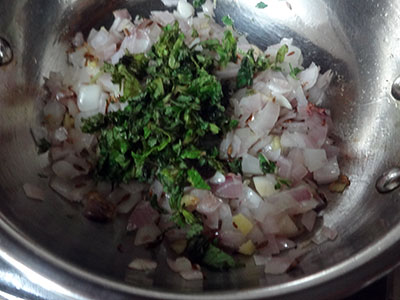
{"x":227,"y":21}
{"x":233,"y":124}
{"x":235,"y":166}
{"x":266,"y":165}
{"x":218,"y":259}
{"x":196,"y":180}
{"x":200,"y":250}
{"x":280,"y":55}
{"x":226,"y":49}
{"x":294,"y":71}
{"x":198,"y":3}
{"x":261,"y":5}
{"x":195,"y":33}
{"x":249,"y":66}
{"x":281,"y":181}
{"x":194,"y":230}
{"x":246,"y":73}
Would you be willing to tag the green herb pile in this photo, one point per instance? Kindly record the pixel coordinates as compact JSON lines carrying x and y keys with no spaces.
{"x":174,"y":120}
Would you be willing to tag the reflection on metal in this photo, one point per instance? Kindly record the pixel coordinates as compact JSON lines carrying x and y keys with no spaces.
{"x":53,"y":240}
{"x":6,"y":54}
{"x":388,"y":181}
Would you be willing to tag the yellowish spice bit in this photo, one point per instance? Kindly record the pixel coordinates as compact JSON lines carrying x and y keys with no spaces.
{"x":68,"y":121}
{"x":243,"y":224}
{"x":189,"y":202}
{"x":178,"y":246}
{"x":247,"y":248}
{"x":276,"y":143}
{"x":229,"y":150}
{"x":339,"y":185}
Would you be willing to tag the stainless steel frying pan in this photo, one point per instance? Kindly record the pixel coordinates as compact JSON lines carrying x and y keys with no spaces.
{"x":76,"y":259}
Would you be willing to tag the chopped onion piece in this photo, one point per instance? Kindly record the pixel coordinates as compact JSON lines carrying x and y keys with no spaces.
{"x":192,"y":275}
{"x":142,"y":264}
{"x":180,"y":264}
{"x":147,"y":234}
{"x":89,"y":97}
{"x":185,"y":9}
{"x":34,"y":192}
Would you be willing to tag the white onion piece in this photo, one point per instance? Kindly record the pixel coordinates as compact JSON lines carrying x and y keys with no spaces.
{"x":77,"y":58}
{"x":256,"y":235}
{"x":263,"y":144}
{"x":162,"y":17}
{"x":217,"y":178}
{"x":278,"y":265}
{"x":134,"y":187}
{"x":242,"y":140}
{"x":180,"y":264}
{"x":251,"y":165}
{"x":232,"y":187}
{"x":64,"y":169}
{"x":157,"y":189}
{"x":248,"y":106}
{"x":314,"y":159}
{"x":89,"y":97}
{"x":225,"y":215}
{"x":328,"y":173}
{"x":68,"y":190}
{"x":330,"y":233}
{"x":192,"y":275}
{"x":128,"y":203}
{"x":229,"y":72}
{"x":232,"y":238}
{"x":185,"y":9}
{"x":318,"y":90}
{"x":265,"y":119}
{"x":260,"y":260}
{"x":271,"y":248}
{"x":61,"y":134}
{"x":295,"y":139}
{"x":251,"y":199}
{"x":78,"y":39}
{"x":80,"y":140}
{"x":284,"y":167}
{"x":147,"y":234}
{"x":143,"y":215}
{"x":308,"y":219}
{"x":60,"y":152}
{"x":138,"y":42}
{"x":207,"y":203}
{"x":284,"y":243}
{"x":170,"y":3}
{"x":208,"y":8}
{"x":282,"y":100}
{"x":73,"y":109}
{"x":122,"y":14}
{"x":34,"y":192}
{"x":265,"y":185}
{"x":309,"y":76}
{"x":54,"y":114}
{"x":118,"y":195}
{"x":287,"y":227}
{"x":142,"y":264}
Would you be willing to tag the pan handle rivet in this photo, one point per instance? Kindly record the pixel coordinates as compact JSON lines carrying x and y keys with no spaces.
{"x":6,"y":54}
{"x":388,"y":181}
{"x":396,"y":88}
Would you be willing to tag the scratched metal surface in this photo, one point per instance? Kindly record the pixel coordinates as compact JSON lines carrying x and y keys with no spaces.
{"x":77,"y":259}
